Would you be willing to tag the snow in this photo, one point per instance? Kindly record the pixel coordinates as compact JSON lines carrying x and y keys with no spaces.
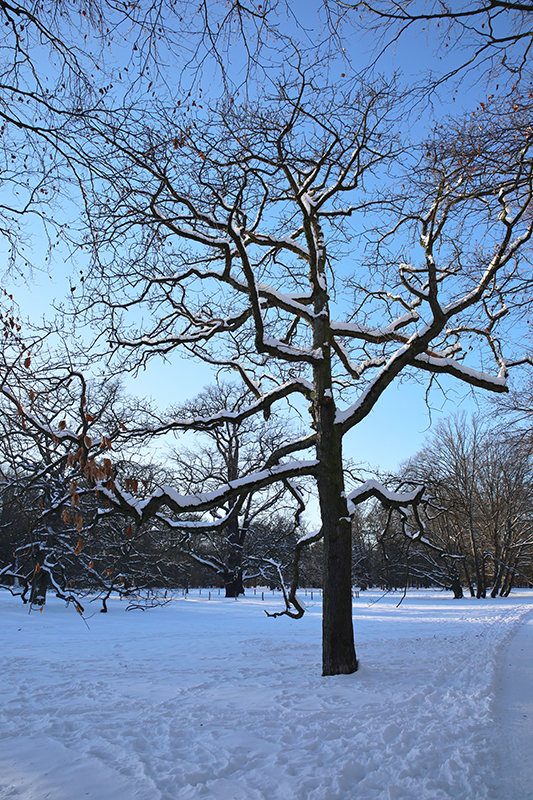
{"x":209,"y":500}
{"x":355,"y":329}
{"x":211,"y":699}
{"x":514,"y":712}
{"x":284,"y":300}
{"x":296,"y":353}
{"x":466,"y":373}
{"x":374,"y":488}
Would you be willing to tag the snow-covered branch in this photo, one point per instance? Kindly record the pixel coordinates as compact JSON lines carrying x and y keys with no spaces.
{"x":143,"y":510}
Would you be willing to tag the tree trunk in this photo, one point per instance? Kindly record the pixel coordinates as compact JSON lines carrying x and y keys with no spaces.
{"x":233,"y":584}
{"x":503,"y":560}
{"x":468,"y":579}
{"x":506,"y":588}
{"x":496,"y":586}
{"x":39,"y":585}
{"x":457,"y":589}
{"x":480,"y":583}
{"x":338,"y":649}
{"x":233,"y":575}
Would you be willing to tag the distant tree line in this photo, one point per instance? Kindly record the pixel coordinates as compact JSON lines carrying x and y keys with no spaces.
{"x":476,"y":529}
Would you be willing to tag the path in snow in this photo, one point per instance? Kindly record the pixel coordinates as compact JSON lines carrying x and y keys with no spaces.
{"x":212,"y":700}
{"x":514,"y":713}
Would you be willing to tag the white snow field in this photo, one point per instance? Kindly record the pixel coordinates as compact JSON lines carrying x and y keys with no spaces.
{"x":211,"y":699}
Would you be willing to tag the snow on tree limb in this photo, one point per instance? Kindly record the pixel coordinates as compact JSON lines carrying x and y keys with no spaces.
{"x":167,"y":496}
{"x":373,"y":488}
{"x":448,"y":366}
{"x":204,"y":423}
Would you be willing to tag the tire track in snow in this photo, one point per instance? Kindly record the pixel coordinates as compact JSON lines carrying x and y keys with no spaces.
{"x":514,"y":714}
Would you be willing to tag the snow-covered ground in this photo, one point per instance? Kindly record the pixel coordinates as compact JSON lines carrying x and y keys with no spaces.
{"x":211,"y":699}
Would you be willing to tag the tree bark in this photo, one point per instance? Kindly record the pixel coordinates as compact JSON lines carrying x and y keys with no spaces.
{"x":468,"y":579}
{"x":233,"y":575}
{"x":457,"y":589}
{"x":338,"y":649}
{"x":39,"y":585}
{"x":233,"y":584}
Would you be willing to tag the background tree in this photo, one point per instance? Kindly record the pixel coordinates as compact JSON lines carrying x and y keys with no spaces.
{"x":231,"y":451}
{"x":391,"y":552}
{"x":481,"y":480}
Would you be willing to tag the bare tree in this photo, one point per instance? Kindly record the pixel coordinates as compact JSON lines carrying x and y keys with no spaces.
{"x":491,"y":37}
{"x":234,"y":230}
{"x":225,"y":226}
{"x":480,"y":479}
